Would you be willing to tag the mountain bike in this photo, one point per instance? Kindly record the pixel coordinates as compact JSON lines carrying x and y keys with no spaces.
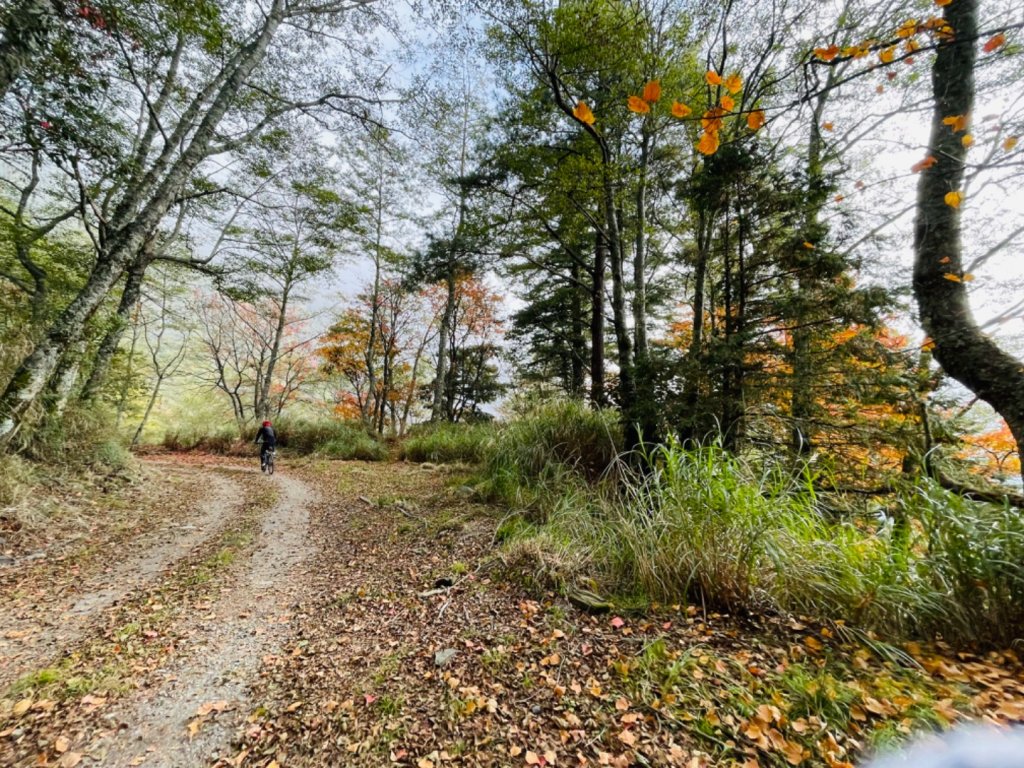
{"x":267,"y":462}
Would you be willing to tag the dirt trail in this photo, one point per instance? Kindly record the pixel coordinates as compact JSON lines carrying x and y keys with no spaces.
{"x":36,"y":633}
{"x":159,"y":727}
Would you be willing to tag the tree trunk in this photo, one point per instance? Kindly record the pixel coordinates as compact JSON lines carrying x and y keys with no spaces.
{"x":130,"y":231}
{"x":26,"y":29}
{"x":960,"y":346}
{"x":695,"y":367}
{"x":578,"y":343}
{"x":437,"y":407}
{"x":597,"y":395}
{"x":105,"y":352}
{"x":623,"y":340}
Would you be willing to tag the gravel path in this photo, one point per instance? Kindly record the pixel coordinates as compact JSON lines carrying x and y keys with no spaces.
{"x":192,"y":712}
{"x":34,"y":633}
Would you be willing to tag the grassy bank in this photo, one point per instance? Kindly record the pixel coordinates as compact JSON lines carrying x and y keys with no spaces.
{"x":330,"y":438}
{"x":748,"y":535}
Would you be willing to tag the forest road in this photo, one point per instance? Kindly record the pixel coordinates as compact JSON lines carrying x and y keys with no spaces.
{"x":37,"y":631}
{"x":188,"y":716}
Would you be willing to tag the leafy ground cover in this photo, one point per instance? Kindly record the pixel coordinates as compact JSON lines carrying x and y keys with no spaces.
{"x":419,"y":644}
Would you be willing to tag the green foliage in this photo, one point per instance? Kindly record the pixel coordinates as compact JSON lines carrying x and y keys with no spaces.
{"x":708,"y":526}
{"x":329,"y":437}
{"x":445,"y":442}
{"x":554,"y":440}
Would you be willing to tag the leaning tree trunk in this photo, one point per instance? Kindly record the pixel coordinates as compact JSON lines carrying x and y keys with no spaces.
{"x":130,"y":231}
{"x":26,"y":29}
{"x":960,"y":346}
{"x":105,"y":353}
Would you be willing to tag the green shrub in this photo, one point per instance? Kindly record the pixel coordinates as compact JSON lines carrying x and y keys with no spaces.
{"x":553,"y":445}
{"x":444,"y":443}
{"x":358,"y":446}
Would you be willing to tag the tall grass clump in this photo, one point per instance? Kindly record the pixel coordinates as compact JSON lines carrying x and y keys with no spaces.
{"x":447,"y":443}
{"x":554,"y":446}
{"x":708,"y":526}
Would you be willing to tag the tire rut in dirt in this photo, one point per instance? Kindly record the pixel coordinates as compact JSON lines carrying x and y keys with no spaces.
{"x":249,"y":622}
{"x":31,"y":641}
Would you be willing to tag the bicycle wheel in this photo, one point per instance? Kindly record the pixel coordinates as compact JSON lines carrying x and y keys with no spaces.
{"x":270,"y":464}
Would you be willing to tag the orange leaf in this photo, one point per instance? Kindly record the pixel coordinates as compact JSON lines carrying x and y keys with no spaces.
{"x":921,"y":165}
{"x":887,"y":55}
{"x":680,"y":110}
{"x":583,"y":114}
{"x":708,"y":143}
{"x":734,"y":83}
{"x":957,"y":123}
{"x":712,"y":119}
{"x":951,"y":277}
{"x":755,"y":119}
{"x":943,"y":3}
{"x":727,"y":102}
{"x":808,"y":246}
{"x":827,"y":54}
{"x":638,"y":105}
{"x":652,"y":91}
{"x":712,"y":78}
{"x":828,"y":126}
{"x":953,"y":199}
{"x":967,"y":140}
{"x":1010,"y":143}
{"x":994,"y":43}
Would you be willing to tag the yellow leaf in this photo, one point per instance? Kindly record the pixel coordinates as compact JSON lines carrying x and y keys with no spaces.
{"x":951,"y":277}
{"x":583,"y":114}
{"x":734,"y":83}
{"x":967,"y":140}
{"x":1010,"y":143}
{"x":828,"y":126}
{"x":827,"y":54}
{"x":808,"y":246}
{"x":728,"y":103}
{"x":708,"y":143}
{"x":994,"y":43}
{"x":755,"y":119}
{"x":638,"y":105}
{"x":652,"y":91}
{"x":813,"y":643}
{"x":957,"y":123}
{"x":680,"y":110}
{"x":907,"y":28}
{"x":712,"y":78}
{"x":953,"y":199}
{"x":22,"y":707}
{"x":911,"y":46}
{"x":943,"y":3}
{"x":888,"y":54}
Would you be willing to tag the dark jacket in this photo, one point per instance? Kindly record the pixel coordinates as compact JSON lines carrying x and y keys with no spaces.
{"x":267,"y":437}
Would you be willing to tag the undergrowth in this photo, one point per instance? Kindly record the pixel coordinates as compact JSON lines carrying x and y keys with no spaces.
{"x":448,"y":443}
{"x":331,"y":438}
{"x":747,"y":535}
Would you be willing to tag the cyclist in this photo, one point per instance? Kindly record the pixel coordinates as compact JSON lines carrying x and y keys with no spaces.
{"x":268,"y":439}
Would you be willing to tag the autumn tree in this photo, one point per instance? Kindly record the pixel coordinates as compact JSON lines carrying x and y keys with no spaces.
{"x":178,"y":72}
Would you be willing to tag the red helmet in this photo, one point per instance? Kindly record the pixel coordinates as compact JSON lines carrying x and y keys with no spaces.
{"x":266,"y":423}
